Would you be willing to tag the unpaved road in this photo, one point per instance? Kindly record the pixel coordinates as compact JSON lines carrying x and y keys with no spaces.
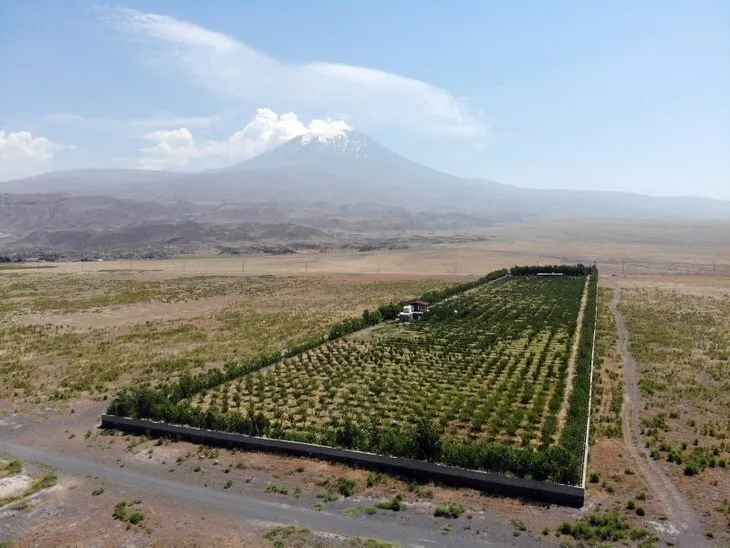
{"x":388,"y":527}
{"x":679,"y":512}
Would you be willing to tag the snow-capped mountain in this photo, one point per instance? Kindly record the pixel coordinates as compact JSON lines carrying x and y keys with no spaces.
{"x":348,"y":167}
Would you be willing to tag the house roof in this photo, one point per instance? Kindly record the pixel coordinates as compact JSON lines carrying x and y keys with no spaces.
{"x":419,"y":302}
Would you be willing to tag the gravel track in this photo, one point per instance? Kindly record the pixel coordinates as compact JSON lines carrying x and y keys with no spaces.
{"x":679,"y":512}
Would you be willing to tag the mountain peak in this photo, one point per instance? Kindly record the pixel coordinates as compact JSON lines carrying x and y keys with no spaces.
{"x":347,"y":143}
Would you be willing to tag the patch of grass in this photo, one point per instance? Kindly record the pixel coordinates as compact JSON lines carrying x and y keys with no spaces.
{"x":450,"y":510}
{"x":346,"y":486}
{"x":604,"y":527}
{"x":98,"y":491}
{"x":374,"y":478}
{"x":396,"y":504}
{"x":123,"y":512}
{"x":276,"y":488}
{"x":289,"y":535}
{"x":120,"y":511}
{"x":43,"y":483}
{"x":518,"y":524}
{"x":14,"y":467}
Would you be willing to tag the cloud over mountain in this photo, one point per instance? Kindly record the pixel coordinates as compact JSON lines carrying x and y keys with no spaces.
{"x":231,"y":69}
{"x":179,"y":148}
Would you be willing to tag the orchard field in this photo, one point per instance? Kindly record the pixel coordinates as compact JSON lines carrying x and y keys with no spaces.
{"x":495,"y":377}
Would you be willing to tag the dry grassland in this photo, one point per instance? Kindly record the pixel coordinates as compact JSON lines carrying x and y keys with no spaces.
{"x":680,"y":337}
{"x":65,"y":335}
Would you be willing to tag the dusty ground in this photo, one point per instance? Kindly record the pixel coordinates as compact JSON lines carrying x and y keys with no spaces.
{"x":679,"y":333}
{"x":69,"y":514}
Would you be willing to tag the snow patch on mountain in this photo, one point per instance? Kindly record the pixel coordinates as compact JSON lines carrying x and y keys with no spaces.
{"x":340,"y":141}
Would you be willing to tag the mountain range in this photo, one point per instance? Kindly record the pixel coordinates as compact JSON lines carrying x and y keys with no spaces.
{"x":346,"y":183}
{"x":351,"y":168}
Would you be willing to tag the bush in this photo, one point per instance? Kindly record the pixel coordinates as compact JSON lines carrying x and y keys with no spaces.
{"x":346,"y":486}
{"x":631,"y":505}
{"x":374,"y":478}
{"x":98,"y":491}
{"x":396,"y":504}
{"x":595,"y":477}
{"x":45,"y":482}
{"x":14,"y":467}
{"x":449,"y":510}
{"x":136,"y":518}
{"x":120,"y":511}
{"x":640,"y":511}
{"x":691,"y":469}
{"x":519,"y":524}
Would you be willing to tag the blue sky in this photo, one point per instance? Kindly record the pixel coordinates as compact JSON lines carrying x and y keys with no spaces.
{"x":631,"y":96}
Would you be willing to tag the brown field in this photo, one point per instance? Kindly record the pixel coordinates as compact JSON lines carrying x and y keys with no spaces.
{"x":79,"y":330}
{"x":680,"y":337}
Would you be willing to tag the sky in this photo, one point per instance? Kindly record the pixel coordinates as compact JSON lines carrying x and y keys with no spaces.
{"x":623,"y":95}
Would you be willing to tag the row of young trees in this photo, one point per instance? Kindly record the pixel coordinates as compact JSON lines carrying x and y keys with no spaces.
{"x":560,"y":462}
{"x":422,"y":441}
{"x":574,"y":433}
{"x":390,"y":311}
{"x":565,"y":269}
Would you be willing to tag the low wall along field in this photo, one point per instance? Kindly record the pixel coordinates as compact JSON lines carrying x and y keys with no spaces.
{"x":495,"y":378}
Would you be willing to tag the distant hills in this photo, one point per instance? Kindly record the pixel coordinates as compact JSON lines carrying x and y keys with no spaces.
{"x":309,"y":188}
{"x":351,"y":169}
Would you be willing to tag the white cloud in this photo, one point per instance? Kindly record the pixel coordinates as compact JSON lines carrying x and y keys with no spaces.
{"x":22,"y":155}
{"x":178,"y":148}
{"x":232,"y":69}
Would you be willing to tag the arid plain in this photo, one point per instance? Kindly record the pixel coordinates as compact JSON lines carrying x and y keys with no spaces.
{"x":72,"y":333}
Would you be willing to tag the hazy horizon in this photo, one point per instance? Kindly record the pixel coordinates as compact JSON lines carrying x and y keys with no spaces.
{"x":621,"y":97}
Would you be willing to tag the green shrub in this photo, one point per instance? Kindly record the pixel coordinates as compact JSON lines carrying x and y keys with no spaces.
{"x":98,"y":491}
{"x":14,"y":467}
{"x":374,"y":478}
{"x":120,"y":511}
{"x":136,"y":518}
{"x":518,"y":524}
{"x":449,"y":510}
{"x":691,"y":469}
{"x":346,"y":486}
{"x":396,"y":504}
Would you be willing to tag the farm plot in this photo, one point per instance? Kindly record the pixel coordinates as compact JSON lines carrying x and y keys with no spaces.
{"x":495,"y":371}
{"x":496,"y":377}
{"x":482,"y":382}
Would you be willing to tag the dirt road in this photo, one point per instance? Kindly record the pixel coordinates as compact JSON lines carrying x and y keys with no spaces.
{"x":680,"y":514}
{"x":415,"y":532}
